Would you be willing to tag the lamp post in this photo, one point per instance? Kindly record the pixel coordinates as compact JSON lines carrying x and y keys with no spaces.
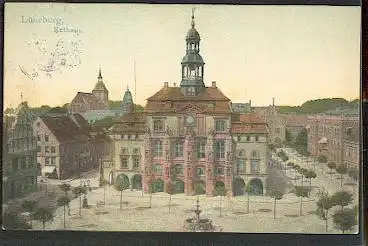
{"x":85,"y":184}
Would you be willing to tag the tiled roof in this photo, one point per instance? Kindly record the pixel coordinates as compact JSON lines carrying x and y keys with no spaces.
{"x":248,"y":123}
{"x":295,"y":120}
{"x":174,"y":94}
{"x":92,"y":100}
{"x":125,"y":128}
{"x":65,"y":129}
{"x":135,"y":117}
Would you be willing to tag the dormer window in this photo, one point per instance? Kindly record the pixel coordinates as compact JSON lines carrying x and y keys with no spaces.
{"x":158,"y":125}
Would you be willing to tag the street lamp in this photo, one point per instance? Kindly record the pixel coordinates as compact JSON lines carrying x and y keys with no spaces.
{"x":85,"y":183}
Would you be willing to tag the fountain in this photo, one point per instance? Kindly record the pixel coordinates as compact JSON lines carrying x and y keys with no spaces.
{"x":197,"y":224}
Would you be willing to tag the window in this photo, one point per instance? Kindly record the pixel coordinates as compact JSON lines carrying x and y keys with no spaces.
{"x":53,"y":160}
{"x":47,"y":149}
{"x":178,"y":149}
{"x":191,"y":91}
{"x":136,"y":162}
{"x":240,"y":167}
{"x":158,"y":126}
{"x":254,"y":167}
{"x":239,"y":138}
{"x":53,"y":150}
{"x":136,"y":151}
{"x":38,"y":138}
{"x":157,"y":148}
{"x":124,"y":162}
{"x":220,"y":125}
{"x":157,"y":168}
{"x":220,"y":149}
{"x":179,"y":169}
{"x":47,"y":161}
{"x":23,"y":162}
{"x":241,"y":153}
{"x":15,"y":163}
{"x":248,"y":138}
{"x":349,"y":131}
{"x":200,"y":171}
{"x":201,"y":149}
{"x":39,"y":148}
{"x":219,"y":171}
{"x":277,"y":130}
{"x":257,"y":138}
{"x":46,"y":137}
{"x":255,"y":154}
{"x":124,"y":151}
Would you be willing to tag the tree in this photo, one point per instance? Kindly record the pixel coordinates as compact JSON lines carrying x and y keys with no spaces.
{"x":353,"y":173}
{"x":58,"y":110}
{"x":220,"y":191}
{"x":288,"y":138}
{"x":303,"y":172}
{"x":301,"y":141}
{"x":248,"y":190}
{"x":310,"y":174}
{"x":44,"y":215}
{"x":331,"y":165}
{"x":342,"y":169}
{"x":12,"y":221}
{"x":30,"y":207}
{"x":324,"y":204}
{"x":342,"y":198}
{"x":170,"y":191}
{"x":296,"y":168}
{"x":199,"y":188}
{"x":276,"y":194}
{"x":301,"y":191}
{"x":78,"y":192}
{"x":63,"y":201}
{"x":121,"y":185}
{"x":322,"y":159}
{"x":66,"y":188}
{"x":345,"y":219}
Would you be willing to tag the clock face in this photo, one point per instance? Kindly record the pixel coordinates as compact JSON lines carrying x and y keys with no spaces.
{"x":190,"y":119}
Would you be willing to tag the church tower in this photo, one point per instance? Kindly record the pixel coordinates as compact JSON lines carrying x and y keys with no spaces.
{"x":127,"y":104}
{"x":100,"y":90}
{"x":192,"y":64}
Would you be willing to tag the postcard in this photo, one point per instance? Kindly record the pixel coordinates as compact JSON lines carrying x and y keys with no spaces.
{"x":181,"y":118}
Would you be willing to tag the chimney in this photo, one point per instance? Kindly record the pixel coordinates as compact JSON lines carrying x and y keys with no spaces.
{"x":214,"y":84}
{"x":166,"y":84}
{"x":250,"y":102}
{"x":273,"y":101}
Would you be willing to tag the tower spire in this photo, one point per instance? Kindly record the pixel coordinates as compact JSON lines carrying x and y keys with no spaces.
{"x":99,"y":73}
{"x":193,"y":17}
{"x":21,"y":97}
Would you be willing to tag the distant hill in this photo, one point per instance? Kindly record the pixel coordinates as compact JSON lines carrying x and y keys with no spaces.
{"x":320,"y":106}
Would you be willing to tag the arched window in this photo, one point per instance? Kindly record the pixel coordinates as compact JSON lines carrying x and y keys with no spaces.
{"x":255,"y":154}
{"x":178,"y":151}
{"x":157,"y":148}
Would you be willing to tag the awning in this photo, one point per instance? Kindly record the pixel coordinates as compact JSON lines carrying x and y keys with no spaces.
{"x":322,"y":141}
{"x":47,"y":169}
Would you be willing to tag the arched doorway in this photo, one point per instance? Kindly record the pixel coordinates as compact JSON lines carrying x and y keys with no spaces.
{"x":137,"y":182}
{"x":199,"y":188}
{"x":157,"y":185}
{"x":179,"y":186}
{"x":111,"y":178}
{"x":122,"y":178}
{"x":238,"y":187}
{"x":255,"y":187}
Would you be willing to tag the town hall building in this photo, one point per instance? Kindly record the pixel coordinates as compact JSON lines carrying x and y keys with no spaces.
{"x":190,"y":138}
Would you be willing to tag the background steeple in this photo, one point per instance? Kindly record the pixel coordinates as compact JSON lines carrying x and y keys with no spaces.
{"x":100,"y":90}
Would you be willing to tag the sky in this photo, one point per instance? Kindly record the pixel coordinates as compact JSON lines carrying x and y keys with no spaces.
{"x":291,"y":53}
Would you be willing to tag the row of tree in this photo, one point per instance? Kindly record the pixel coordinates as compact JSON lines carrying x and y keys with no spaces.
{"x":320,"y":106}
{"x":44,"y":214}
{"x":345,"y":218}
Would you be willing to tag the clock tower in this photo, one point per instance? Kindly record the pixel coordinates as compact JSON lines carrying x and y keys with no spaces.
{"x":192,"y":64}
